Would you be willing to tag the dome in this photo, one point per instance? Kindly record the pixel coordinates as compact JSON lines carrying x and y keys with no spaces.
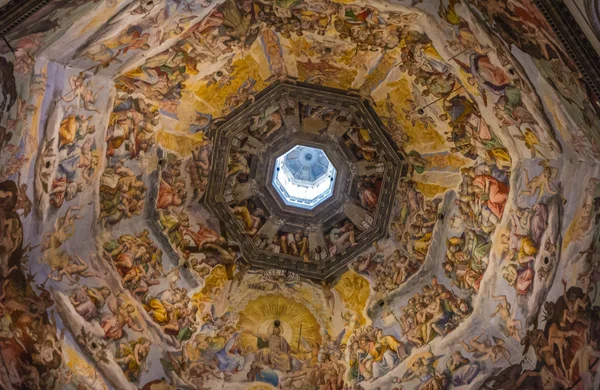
{"x":299,"y":194}
{"x":304,"y":177}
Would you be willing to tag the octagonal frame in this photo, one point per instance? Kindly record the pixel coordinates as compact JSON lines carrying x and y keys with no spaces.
{"x":284,"y":94}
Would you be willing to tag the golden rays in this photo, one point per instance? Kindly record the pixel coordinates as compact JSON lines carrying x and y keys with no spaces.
{"x":259,"y":315}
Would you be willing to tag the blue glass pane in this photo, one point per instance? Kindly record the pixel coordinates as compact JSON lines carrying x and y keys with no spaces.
{"x":304,"y":177}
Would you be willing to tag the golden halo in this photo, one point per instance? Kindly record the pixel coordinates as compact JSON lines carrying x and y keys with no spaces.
{"x":286,"y":329}
{"x":260,"y":314}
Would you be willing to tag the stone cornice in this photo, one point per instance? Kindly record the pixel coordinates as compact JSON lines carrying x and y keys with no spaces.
{"x":574,"y":41}
{"x":16,"y":12}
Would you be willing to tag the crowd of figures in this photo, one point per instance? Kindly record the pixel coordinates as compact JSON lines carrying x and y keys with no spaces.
{"x":482,"y":197}
{"x":77,"y":161}
{"x":162,"y":79}
{"x":242,"y":167}
{"x":413,"y":226}
{"x":70,"y":156}
{"x":139,"y":262}
{"x":174,"y":197}
{"x":436,"y":311}
{"x":133,"y":305}
{"x":371,"y":354}
{"x":130,"y":136}
{"x":524,"y":26}
{"x":412,"y":230}
{"x":387,"y":272}
{"x":30,"y":343}
{"x":566,"y":348}
{"x":288,"y":241}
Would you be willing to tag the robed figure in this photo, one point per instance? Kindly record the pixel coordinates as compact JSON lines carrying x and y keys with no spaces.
{"x":274,"y":350}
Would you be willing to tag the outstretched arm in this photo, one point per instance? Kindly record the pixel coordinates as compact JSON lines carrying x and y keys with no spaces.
{"x":80,"y":260}
{"x":526,"y":173}
{"x":70,"y":211}
{"x":475,"y":340}
{"x":131,"y":323}
{"x":498,"y":308}
{"x":567,"y":301}
{"x":70,"y":99}
{"x":467,"y":347}
{"x":58,"y":278}
{"x":500,"y":298}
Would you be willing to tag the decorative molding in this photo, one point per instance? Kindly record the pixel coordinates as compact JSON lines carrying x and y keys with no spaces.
{"x":592,"y":8}
{"x":325,"y":215}
{"x":574,"y":40}
{"x":16,"y":12}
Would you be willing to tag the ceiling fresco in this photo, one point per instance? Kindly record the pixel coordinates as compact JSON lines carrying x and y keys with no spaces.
{"x":143,"y":245}
{"x":307,"y":127}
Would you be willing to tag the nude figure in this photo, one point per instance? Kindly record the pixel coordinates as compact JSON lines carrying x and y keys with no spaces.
{"x":328,"y":295}
{"x":541,"y":184}
{"x":557,"y":337}
{"x":239,"y":277}
{"x":227,"y":258}
{"x":79,"y":268}
{"x":582,"y":359}
{"x":513,"y":326}
{"x":495,"y":352}
{"x":78,"y":88}
{"x":89,"y":98}
{"x":23,"y":201}
{"x":64,"y":228}
{"x":571,"y":313}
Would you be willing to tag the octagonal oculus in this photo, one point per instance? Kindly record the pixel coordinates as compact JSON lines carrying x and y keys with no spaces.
{"x":304,"y":177}
{"x":322,"y":171}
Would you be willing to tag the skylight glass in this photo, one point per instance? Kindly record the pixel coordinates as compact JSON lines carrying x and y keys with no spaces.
{"x":304,"y":177}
